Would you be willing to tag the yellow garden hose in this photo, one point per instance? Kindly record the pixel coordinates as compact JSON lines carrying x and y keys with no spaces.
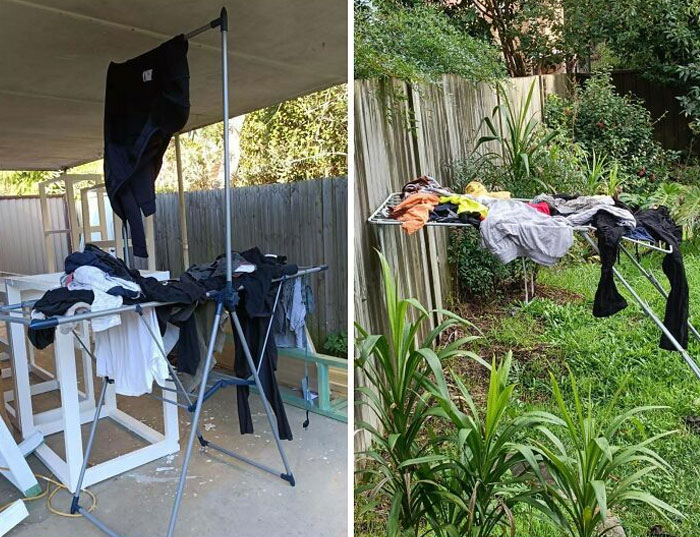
{"x":49,"y":493}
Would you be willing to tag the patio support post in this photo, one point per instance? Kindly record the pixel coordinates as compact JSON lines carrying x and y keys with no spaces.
{"x":184,"y":243}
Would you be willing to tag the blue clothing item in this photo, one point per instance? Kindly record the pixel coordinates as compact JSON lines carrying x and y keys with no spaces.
{"x":147,"y":101}
{"x":639,"y":234}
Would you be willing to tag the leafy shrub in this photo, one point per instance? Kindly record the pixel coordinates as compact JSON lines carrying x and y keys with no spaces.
{"x":601,"y":120}
{"x":418,"y":44}
{"x":686,"y":174}
{"x":589,"y":472}
{"x":477,"y":167}
{"x":479,"y":273}
{"x":478,"y":481}
{"x":560,"y":167}
{"x":683,"y":202}
{"x":522,"y":141}
{"x":336,"y":344}
{"x":402,"y":376}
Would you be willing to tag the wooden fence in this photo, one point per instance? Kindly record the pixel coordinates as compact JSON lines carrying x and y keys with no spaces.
{"x":402,"y":132}
{"x":306,"y":221}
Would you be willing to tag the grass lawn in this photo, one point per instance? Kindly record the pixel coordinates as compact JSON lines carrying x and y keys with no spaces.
{"x":558,"y":329}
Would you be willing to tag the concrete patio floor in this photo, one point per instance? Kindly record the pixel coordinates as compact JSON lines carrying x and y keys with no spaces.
{"x":222,"y":496}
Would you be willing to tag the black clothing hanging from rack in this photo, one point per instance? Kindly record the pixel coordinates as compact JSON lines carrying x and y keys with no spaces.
{"x":608,"y":300}
{"x":660,"y":225}
{"x":146,"y":101}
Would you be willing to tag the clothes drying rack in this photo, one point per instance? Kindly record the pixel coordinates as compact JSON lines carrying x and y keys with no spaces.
{"x":379,"y":217}
{"x":19,"y":313}
{"x":226,"y":301}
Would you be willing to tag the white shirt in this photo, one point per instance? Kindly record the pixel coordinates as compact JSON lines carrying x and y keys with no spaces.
{"x":129,"y":355}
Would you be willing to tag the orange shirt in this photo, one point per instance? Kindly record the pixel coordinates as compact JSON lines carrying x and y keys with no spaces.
{"x":415,"y":210}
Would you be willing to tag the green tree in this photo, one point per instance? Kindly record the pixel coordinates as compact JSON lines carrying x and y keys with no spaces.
{"x":418,"y":43}
{"x":304,"y":138}
{"x":23,"y":183}
{"x":529,"y":33}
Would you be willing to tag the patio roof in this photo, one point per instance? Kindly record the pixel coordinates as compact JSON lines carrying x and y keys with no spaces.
{"x":54,"y":56}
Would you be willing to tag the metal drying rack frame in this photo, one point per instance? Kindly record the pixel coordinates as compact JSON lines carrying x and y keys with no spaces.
{"x":379,"y":217}
{"x":18,"y":313}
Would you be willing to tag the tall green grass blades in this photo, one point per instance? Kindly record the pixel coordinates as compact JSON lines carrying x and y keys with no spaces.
{"x":594,"y":172}
{"x":590,"y":474}
{"x":477,"y":482}
{"x":403,"y":378}
{"x":521,"y":137}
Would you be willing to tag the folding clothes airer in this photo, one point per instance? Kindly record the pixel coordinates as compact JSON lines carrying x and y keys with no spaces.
{"x":226,"y":299}
{"x":377,"y":218}
{"x":205,"y":390}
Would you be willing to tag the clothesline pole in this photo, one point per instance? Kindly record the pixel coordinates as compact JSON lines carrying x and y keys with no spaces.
{"x":688,"y":359}
{"x":227,"y":156}
{"x":527,"y":297}
{"x":75,"y":506}
{"x":269,"y":324}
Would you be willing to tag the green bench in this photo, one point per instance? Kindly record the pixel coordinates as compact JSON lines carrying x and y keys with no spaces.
{"x":331,"y":381}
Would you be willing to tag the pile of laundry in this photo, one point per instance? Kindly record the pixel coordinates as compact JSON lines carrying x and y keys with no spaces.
{"x":127,"y":345}
{"x":542,"y":229}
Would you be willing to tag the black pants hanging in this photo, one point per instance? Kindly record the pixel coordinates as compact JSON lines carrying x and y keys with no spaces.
{"x":662,"y":227}
{"x":608,"y":300}
{"x":254,"y":330}
{"x":147,"y":100}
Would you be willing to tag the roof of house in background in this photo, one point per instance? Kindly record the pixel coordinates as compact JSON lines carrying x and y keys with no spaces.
{"x":54,"y":56}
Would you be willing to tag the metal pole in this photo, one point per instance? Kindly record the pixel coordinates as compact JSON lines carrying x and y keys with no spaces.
{"x":269,"y":324}
{"x":649,"y":276}
{"x":688,"y":359}
{"x":88,"y":448}
{"x":195,"y":420}
{"x":184,"y":243}
{"x":97,"y":522}
{"x":266,"y":404}
{"x":227,"y":164}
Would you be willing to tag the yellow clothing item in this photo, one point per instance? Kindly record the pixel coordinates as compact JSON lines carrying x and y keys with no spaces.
{"x":465,"y":204}
{"x":476,"y":189}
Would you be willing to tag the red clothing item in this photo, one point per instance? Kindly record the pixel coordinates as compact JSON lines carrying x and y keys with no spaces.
{"x":542,"y":207}
{"x":414,"y":211}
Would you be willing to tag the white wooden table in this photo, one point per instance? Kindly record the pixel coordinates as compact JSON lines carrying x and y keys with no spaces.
{"x":77,"y":406}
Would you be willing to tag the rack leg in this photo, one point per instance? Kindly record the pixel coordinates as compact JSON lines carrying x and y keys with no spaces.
{"x":266,"y":404}
{"x":75,"y":505}
{"x":272,"y":319}
{"x":180,"y":388}
{"x":649,"y":276}
{"x":195,"y":421}
{"x":527,"y":295}
{"x":688,"y":359}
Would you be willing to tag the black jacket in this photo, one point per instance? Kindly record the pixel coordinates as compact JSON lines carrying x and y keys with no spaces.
{"x":146,"y":102}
